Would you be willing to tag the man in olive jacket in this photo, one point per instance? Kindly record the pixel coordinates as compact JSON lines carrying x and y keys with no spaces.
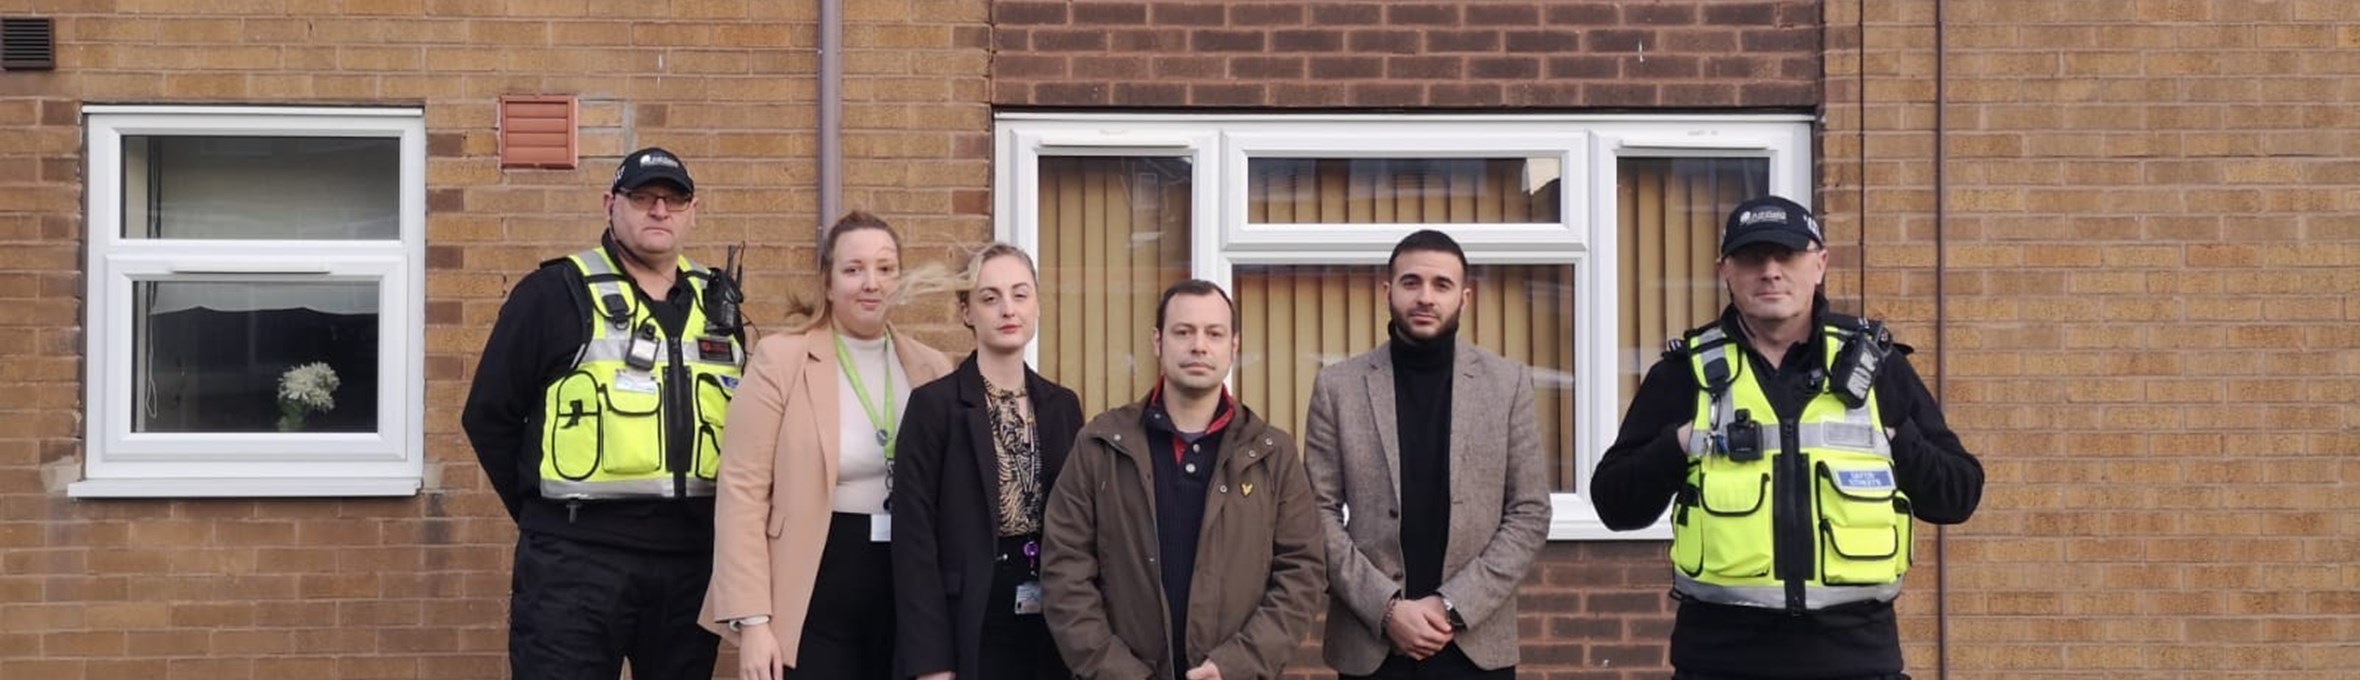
{"x":1182,"y":541}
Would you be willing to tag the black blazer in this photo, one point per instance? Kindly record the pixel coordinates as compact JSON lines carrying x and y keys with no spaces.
{"x":946,"y":490}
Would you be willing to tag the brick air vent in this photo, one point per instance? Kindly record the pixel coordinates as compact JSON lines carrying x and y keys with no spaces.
{"x":538,"y":132}
{"x":27,"y":44}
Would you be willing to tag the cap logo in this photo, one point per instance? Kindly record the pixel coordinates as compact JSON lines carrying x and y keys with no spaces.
{"x":1767,"y":214}
{"x":658,"y":159}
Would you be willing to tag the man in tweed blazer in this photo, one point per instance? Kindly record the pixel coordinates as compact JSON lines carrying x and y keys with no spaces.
{"x":1426,"y":461}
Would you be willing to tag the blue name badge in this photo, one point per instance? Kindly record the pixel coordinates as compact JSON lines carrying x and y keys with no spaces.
{"x":728,"y":382}
{"x":1864,"y":480}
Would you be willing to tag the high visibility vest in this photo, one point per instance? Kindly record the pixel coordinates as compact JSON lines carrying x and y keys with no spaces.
{"x":1731,"y":517}
{"x":612,"y":429}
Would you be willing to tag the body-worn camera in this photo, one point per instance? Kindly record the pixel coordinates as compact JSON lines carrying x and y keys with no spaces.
{"x":644,"y":345}
{"x":1742,"y":440}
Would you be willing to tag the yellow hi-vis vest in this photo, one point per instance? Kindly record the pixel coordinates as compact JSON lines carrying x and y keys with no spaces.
{"x":611,"y":430}
{"x":1731,"y":517}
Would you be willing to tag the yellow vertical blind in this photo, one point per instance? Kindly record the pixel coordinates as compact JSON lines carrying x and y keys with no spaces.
{"x":1113,"y":234}
{"x":1402,"y":190}
{"x":1672,"y":210}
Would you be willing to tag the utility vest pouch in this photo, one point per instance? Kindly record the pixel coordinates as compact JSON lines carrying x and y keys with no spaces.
{"x":576,"y":429}
{"x":635,"y":415}
{"x":1731,"y":516}
{"x":713,"y":393}
{"x":1863,"y":522}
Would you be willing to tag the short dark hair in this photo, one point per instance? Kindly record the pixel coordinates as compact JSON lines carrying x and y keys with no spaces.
{"x":1196,"y":287}
{"x":1426,"y":240}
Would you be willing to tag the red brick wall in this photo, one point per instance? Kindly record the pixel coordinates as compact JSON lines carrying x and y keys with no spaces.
{"x":415,"y":587}
{"x":2149,"y":326}
{"x":1447,"y":55}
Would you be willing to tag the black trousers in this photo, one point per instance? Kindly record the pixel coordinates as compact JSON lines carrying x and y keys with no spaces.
{"x":1016,"y":646}
{"x":848,"y":632}
{"x":1687,"y":675}
{"x":1448,"y":664}
{"x":578,"y":610}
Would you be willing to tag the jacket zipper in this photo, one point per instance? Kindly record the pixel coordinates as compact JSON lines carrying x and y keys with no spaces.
{"x":678,"y":433}
{"x":1795,"y":523}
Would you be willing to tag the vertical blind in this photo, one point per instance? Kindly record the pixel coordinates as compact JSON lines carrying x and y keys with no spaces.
{"x":1113,"y":234}
{"x":1672,"y":210}
{"x":1402,"y":191}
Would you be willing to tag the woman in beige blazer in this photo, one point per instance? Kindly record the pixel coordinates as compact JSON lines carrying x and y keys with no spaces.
{"x":802,"y":569}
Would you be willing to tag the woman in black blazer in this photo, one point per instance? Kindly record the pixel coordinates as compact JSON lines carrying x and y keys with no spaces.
{"x":979,"y":452}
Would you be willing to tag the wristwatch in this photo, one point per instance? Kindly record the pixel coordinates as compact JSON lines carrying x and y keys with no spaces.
{"x":739,"y":624}
{"x":1451,"y":611}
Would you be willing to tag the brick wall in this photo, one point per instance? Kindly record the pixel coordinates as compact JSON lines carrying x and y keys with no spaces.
{"x":1453,"y":55}
{"x":415,"y":587}
{"x":2149,"y":327}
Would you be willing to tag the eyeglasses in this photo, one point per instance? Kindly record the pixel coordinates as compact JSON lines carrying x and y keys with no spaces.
{"x":644,"y":200}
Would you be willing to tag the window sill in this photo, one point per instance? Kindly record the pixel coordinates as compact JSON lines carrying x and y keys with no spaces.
{"x":1573,"y":519}
{"x":244,"y":487}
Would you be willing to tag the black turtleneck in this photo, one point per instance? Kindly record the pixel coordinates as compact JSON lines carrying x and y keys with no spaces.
{"x":1421,"y":395}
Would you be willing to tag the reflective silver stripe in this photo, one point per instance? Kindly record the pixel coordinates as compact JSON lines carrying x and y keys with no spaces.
{"x":1842,"y":436}
{"x":1774,"y":597}
{"x":614,"y":347}
{"x":567,"y":489}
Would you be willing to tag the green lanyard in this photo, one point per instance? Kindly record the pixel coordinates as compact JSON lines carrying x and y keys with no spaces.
{"x":884,"y":422}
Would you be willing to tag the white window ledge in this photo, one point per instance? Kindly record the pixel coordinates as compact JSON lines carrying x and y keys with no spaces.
{"x":242,"y":488}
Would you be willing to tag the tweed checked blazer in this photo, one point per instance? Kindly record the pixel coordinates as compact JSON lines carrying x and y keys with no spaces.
{"x":1499,"y":505}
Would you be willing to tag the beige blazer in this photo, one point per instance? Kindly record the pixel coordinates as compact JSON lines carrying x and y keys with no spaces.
{"x":778,"y":480}
{"x":1499,"y":501}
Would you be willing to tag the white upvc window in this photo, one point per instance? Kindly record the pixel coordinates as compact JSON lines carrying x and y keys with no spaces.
{"x":1590,"y":238}
{"x":238,"y":256}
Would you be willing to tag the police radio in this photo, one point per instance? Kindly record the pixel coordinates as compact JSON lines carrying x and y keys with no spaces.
{"x":1857,"y":365}
{"x":722,"y":297}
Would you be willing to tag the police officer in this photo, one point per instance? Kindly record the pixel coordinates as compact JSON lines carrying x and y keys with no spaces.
{"x":1793,"y":446}
{"x":597,"y":413}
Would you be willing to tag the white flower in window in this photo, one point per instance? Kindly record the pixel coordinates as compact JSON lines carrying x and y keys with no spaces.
{"x":305,"y":389}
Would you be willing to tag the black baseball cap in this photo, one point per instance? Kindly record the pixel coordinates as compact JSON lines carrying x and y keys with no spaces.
{"x":652,"y":164}
{"x":1770,"y":219}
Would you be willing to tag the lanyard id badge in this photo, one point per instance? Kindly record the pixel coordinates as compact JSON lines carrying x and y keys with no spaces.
{"x":1028,"y":598}
{"x":1028,"y":593}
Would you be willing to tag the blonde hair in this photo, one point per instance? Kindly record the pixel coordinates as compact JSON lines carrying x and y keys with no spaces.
{"x":804,"y":314}
{"x":973,"y":277}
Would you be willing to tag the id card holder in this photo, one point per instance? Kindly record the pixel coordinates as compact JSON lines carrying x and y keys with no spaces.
{"x":881,"y":528}
{"x":1028,"y":598}
{"x":636,"y":381}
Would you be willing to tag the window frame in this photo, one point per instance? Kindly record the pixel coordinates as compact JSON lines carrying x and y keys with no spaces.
{"x":120,"y":463}
{"x":1589,"y":149}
